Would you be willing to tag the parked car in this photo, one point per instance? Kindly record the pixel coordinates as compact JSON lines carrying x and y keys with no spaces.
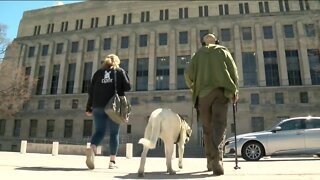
{"x":293,"y":136}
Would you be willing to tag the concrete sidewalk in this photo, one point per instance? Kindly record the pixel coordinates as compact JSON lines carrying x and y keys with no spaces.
{"x":14,"y":166}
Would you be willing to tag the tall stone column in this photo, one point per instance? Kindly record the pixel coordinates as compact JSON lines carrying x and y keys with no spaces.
{"x":132,"y":59}
{"x":48,"y":71}
{"x":259,"y":56}
{"x":64,"y":66}
{"x":282,"y":62}
{"x":151,"y":69}
{"x":303,"y":55}
{"x":237,"y":53}
{"x":79,"y":63}
{"x":172,"y":59}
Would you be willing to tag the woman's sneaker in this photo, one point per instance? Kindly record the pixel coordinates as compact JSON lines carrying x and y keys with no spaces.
{"x":90,"y":158}
{"x":112,"y":165}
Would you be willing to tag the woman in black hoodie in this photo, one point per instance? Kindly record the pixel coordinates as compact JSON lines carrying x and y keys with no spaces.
{"x":101,"y":90}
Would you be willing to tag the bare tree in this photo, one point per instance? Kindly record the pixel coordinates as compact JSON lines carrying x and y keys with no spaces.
{"x":15,"y":85}
{"x":3,"y":40}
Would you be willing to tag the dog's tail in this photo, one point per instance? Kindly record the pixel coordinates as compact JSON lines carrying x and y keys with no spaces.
{"x":152,"y":131}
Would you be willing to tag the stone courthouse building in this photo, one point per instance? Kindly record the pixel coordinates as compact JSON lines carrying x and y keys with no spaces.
{"x":275,"y":45}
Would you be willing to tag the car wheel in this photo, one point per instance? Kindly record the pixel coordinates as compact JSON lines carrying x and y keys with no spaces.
{"x":252,"y":151}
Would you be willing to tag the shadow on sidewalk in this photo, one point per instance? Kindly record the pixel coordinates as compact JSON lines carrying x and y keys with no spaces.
{"x":165,"y":175}
{"x":50,"y":169}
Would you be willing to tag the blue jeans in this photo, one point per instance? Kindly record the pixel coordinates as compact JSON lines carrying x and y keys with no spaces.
{"x":102,"y":121}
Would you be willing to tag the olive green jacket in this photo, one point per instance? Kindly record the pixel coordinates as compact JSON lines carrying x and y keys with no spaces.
{"x":211,"y":67}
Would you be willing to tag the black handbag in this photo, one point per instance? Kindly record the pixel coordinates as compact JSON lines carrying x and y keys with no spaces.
{"x":118,"y":108}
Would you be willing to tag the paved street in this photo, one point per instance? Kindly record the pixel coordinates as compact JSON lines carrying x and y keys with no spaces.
{"x":14,"y":166}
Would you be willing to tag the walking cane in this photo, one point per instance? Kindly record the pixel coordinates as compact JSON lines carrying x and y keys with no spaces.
{"x":235,"y":134}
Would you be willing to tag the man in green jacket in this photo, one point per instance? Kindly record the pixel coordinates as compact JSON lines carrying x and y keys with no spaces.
{"x":213,"y":79}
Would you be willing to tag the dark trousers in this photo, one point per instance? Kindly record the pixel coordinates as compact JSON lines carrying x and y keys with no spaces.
{"x":213,"y":110}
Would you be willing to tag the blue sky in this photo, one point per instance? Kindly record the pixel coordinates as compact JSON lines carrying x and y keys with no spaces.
{"x":12,"y":11}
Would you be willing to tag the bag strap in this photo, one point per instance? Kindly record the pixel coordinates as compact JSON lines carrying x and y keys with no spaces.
{"x":115,"y":81}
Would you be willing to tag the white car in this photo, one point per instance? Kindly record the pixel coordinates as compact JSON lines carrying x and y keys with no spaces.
{"x":294,"y":136}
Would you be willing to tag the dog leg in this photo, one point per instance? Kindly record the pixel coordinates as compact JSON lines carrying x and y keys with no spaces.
{"x":181,"y":152}
{"x":143,"y":161}
{"x":169,"y":152}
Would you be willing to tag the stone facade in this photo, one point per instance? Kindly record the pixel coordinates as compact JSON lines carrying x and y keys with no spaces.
{"x":250,"y":29}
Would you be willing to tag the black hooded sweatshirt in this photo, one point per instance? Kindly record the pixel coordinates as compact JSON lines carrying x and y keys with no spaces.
{"x":102,"y":87}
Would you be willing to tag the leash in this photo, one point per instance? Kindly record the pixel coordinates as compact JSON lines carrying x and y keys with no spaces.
{"x":234,"y":108}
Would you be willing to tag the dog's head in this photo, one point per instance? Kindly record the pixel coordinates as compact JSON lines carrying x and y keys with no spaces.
{"x":187,"y":130}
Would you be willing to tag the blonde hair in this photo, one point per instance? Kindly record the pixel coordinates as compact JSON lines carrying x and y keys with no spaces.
{"x":111,"y":61}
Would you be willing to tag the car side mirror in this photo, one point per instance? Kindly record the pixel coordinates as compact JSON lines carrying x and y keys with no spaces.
{"x":278,"y":128}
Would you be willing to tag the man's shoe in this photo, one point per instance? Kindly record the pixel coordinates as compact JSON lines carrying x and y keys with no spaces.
{"x":218,"y":168}
{"x":112,"y":165}
{"x":90,"y":158}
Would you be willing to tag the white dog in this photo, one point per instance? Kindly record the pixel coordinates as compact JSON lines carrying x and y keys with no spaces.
{"x":171,"y":128}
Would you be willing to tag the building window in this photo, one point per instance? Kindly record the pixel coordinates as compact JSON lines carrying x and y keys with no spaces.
{"x":202,"y":33}
{"x":87,"y":128}
{"x":163,"y":39}
{"x":40,"y":80}
{"x":203,"y":11}
{"x":64,"y":26}
{"x":75,"y":103}
{"x":70,"y":78}
{"x":250,"y":77}
{"x":181,"y":98}
{"x":33,"y":128}
{"x":86,"y":77}
{"x":255,"y":99}
{"x":182,"y":63}
{"x":257,"y":124}
{"x":110,"y":20}
{"x":124,"y":42}
{"x":50,"y":128}
{"x":16,"y":128}
{"x":134,"y":100}
{"x":50,"y":28}
{"x":183,"y":13}
{"x":310,"y":30}
{"x":142,"y":74}
{"x":31,"y":51}
{"x":45,"y":50}
{"x":284,"y":5}
{"x":304,"y":97}
{"x":156,"y":99}
{"x":90,"y":45}
{"x":225,"y":34}
{"x":57,"y":104}
{"x":127,"y":18}
{"x":41,"y":104}
{"x":183,"y":37}
{"x":223,"y":9}
{"x":271,"y":68}
{"x":314,"y":64}
{"x":264,"y":7}
{"x":164,"y":14}
{"x":143,"y":40}
{"x":36,"y":30}
{"x":293,"y":67}
{"x":107,"y":44}
{"x":74,"y":46}
{"x":279,"y":98}
{"x":68,"y":128}
{"x":244,"y":8}
{"x":145,"y":16}
{"x":304,"y":5}
{"x":125,"y":64}
{"x":267,"y":32}
{"x":288,"y":31}
{"x":55,"y":79}
{"x":2,"y":127}
{"x":94,"y":22}
{"x":162,"y":73}
{"x":246,"y":33}
{"x":79,"y":23}
{"x":59,"y":48}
